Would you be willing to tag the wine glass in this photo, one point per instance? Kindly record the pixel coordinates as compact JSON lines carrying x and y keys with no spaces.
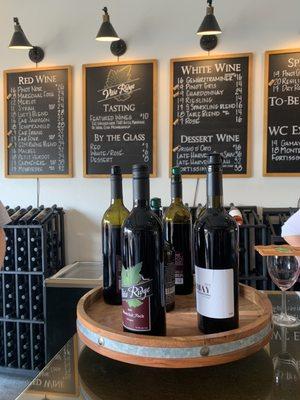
{"x":284,"y":272}
{"x":286,"y":373}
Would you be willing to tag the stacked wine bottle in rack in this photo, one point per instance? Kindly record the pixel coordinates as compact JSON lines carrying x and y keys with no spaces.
{"x":35,"y":251}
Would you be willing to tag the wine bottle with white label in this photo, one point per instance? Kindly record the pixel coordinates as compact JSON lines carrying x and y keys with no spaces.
{"x":143,"y":297}
{"x":178,"y":232}
{"x":216,"y":258}
{"x":112,"y":221}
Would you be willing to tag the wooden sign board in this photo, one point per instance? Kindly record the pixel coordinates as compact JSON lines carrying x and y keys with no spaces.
{"x":119,"y":116}
{"x":282,"y":113}
{"x":278,"y":250}
{"x":210,"y":111}
{"x":38,"y":122}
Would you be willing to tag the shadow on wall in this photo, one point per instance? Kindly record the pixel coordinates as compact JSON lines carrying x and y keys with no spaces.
{"x":84,"y":237}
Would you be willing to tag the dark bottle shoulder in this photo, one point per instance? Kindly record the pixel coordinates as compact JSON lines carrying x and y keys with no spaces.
{"x":140,"y":218}
{"x":218,"y":219}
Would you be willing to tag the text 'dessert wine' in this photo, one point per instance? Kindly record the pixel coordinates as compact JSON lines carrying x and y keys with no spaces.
{"x":143,"y":298}
{"x":112,"y":221}
{"x":216,"y":258}
{"x":178,"y":232}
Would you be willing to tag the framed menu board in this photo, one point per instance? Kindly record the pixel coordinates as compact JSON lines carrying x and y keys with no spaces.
{"x":282,"y":113}
{"x":210,"y":111}
{"x":37,"y":122}
{"x":119,"y":116}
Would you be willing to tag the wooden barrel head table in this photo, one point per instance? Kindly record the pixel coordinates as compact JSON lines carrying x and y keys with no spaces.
{"x":99,"y":326}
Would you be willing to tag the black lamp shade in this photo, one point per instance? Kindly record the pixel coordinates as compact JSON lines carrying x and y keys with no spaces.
{"x":209,"y":25}
{"x":19,"y":40}
{"x":106,"y":32}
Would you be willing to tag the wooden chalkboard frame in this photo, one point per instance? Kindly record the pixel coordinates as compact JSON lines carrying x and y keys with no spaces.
{"x":268,"y":53}
{"x":6,"y":73}
{"x":154,"y":62}
{"x":248,"y":174}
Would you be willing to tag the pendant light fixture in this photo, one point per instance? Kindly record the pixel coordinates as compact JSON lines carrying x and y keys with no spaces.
{"x":19,"y":41}
{"x":107,"y":33}
{"x":209,"y":29}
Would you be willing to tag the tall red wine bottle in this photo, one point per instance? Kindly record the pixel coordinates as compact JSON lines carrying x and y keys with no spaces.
{"x":177,"y":223}
{"x":216,"y":245}
{"x":112,"y":221}
{"x":143,"y":298}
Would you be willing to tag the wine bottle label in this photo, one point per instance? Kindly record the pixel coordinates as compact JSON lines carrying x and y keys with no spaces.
{"x":170,"y":283}
{"x":215,"y":292}
{"x":136,"y":299}
{"x":179,"y":265}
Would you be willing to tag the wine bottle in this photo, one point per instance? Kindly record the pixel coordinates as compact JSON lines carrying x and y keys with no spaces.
{"x":111,"y":224}
{"x":235,"y":213}
{"x":143,"y":297}
{"x":45,"y":214}
{"x":19,"y":214}
{"x":155,"y":205}
{"x":216,"y":258}
{"x":169,"y":261}
{"x":178,"y":232}
{"x":11,"y":211}
{"x":28,"y":217}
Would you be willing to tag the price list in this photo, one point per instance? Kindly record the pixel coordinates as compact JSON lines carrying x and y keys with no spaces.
{"x":210,"y":113}
{"x":120,"y":116}
{"x":37,"y":122}
{"x":282,"y":113}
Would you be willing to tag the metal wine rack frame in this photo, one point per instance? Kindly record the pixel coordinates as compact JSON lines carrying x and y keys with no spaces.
{"x":42,"y":248}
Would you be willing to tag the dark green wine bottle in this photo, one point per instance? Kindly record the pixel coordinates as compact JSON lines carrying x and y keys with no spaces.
{"x":112,"y":221}
{"x":177,"y":223}
{"x":169,"y":260}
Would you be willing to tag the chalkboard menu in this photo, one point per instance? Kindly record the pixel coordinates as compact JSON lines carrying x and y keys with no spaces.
{"x":38,"y":122}
{"x":119,"y":116}
{"x":282,"y":113}
{"x":210,"y":112}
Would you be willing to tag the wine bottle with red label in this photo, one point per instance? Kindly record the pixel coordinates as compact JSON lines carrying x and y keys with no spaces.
{"x":177,"y":224}
{"x":143,"y":297}
{"x":216,"y":246}
{"x":111,"y":240}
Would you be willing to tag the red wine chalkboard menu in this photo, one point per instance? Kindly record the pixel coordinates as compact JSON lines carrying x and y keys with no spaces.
{"x":119,"y":116}
{"x":38,"y":122}
{"x":282,"y":113}
{"x":211,"y":112}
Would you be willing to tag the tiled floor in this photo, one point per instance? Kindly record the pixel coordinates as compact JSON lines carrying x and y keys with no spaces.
{"x":12,"y":385}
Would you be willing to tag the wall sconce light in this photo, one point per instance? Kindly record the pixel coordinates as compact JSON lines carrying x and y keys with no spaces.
{"x":209,"y":29}
{"x":19,"y":41}
{"x":107,"y":33}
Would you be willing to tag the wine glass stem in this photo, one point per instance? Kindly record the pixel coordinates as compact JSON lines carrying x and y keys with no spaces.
{"x":283,"y":303}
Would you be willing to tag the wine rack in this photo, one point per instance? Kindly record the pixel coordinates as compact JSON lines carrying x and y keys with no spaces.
{"x":35,"y":251}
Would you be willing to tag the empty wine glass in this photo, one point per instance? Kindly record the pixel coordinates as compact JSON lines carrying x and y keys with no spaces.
{"x":284,"y":272}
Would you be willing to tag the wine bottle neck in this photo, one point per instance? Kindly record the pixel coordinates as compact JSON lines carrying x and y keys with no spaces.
{"x":214,"y":187}
{"x":176,"y":191}
{"x":141,"y":192}
{"x":116,"y":189}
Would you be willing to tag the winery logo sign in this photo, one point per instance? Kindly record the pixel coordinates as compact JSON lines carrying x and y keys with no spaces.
{"x":119,"y":85}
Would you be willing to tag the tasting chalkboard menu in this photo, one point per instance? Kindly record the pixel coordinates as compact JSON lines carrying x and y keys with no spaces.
{"x":119,"y":116}
{"x":282,"y":113}
{"x":38,"y":122}
{"x":210,"y":112}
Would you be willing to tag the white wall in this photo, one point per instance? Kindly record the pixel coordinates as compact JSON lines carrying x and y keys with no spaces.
{"x":160,"y":29}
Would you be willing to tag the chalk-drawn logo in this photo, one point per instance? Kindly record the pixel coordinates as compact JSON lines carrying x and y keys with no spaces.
{"x":119,"y":85}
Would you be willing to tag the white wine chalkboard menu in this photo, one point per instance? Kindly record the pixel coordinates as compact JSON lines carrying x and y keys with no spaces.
{"x":38,"y":122}
{"x":282,"y":113}
{"x":211,"y":112}
{"x":119,"y":116}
